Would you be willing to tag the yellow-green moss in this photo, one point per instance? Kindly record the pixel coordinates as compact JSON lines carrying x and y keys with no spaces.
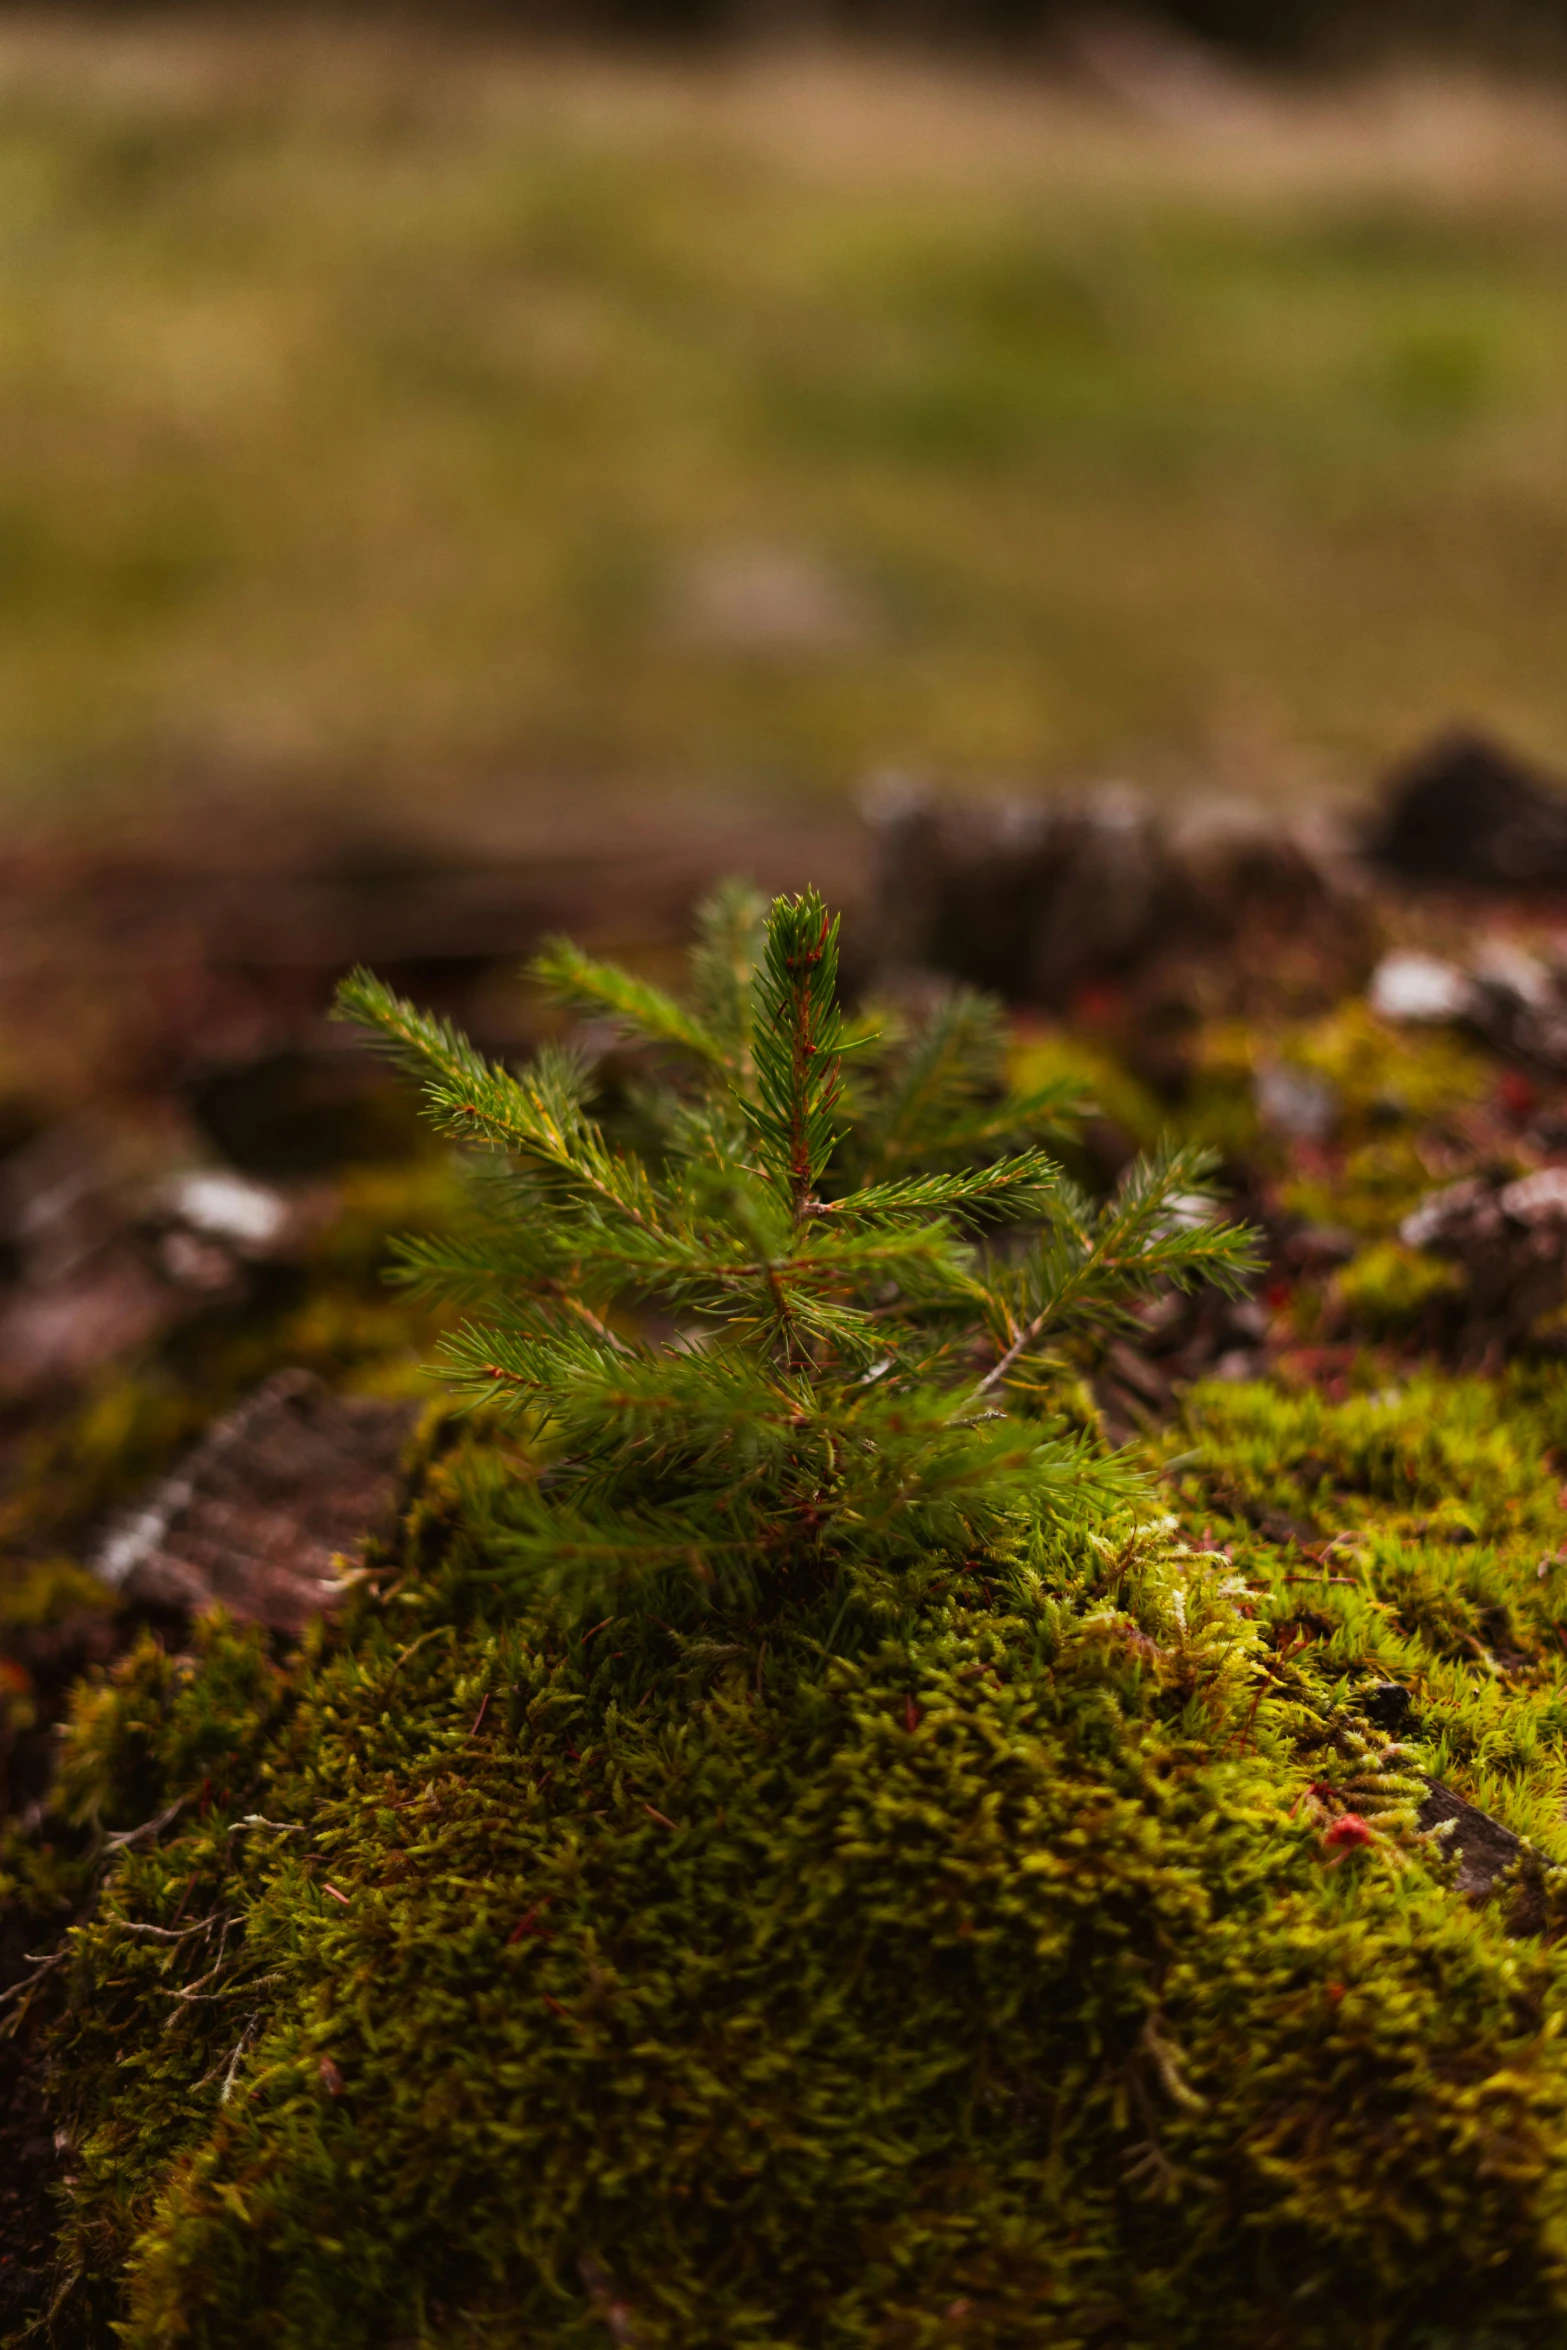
{"x":1382,"y":1072}
{"x":1414,"y":1535}
{"x":1388,"y":1288}
{"x":982,"y":1978}
{"x":1043,"y":1055}
{"x":1390,"y":1090}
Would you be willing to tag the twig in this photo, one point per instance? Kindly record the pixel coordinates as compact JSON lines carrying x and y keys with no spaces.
{"x":40,"y":1966}
{"x":245,"y":2039}
{"x":210,"y":1998}
{"x":192,"y":1989}
{"x":1020,"y":1345}
{"x":1349,"y":1582}
{"x":127,"y":1836}
{"x":165,"y":1933}
{"x":413,"y":1649}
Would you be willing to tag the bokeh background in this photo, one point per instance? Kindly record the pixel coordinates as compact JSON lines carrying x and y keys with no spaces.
{"x":426,"y":416}
{"x":464,"y":474}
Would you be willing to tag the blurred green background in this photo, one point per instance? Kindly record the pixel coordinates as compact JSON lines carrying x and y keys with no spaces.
{"x":391,"y":416}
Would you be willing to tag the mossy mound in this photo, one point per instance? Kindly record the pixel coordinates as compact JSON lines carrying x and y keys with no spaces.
{"x":788,"y":1851}
{"x":978,"y":1979}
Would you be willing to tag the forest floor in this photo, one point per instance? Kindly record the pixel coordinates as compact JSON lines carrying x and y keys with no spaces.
{"x":1374,"y":1441}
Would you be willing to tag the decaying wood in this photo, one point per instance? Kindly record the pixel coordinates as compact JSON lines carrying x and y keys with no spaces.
{"x":1486,"y":1850}
{"x":260,"y":1517}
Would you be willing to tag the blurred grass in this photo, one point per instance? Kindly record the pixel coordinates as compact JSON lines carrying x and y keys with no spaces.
{"x":381,"y":412}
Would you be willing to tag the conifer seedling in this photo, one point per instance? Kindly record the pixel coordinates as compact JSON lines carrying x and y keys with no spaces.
{"x":813,"y":1313}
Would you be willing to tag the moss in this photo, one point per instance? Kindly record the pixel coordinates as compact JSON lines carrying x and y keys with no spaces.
{"x":1388,"y":1289}
{"x":1396,"y":1102}
{"x":1383,"y":1073}
{"x":1043,"y":1056}
{"x":1412,"y":1535}
{"x":93,"y":1452}
{"x":1401,"y":1101}
{"x":984,"y":1979}
{"x":1220,"y":1100}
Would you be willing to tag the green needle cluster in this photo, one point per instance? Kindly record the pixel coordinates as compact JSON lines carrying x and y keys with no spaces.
{"x":814,"y":1312}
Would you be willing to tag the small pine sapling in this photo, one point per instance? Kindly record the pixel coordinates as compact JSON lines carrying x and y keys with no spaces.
{"x":805,"y":1319}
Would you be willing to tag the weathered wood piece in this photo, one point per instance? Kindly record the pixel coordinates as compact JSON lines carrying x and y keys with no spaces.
{"x":260,"y":1516}
{"x":1486,"y":1850}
